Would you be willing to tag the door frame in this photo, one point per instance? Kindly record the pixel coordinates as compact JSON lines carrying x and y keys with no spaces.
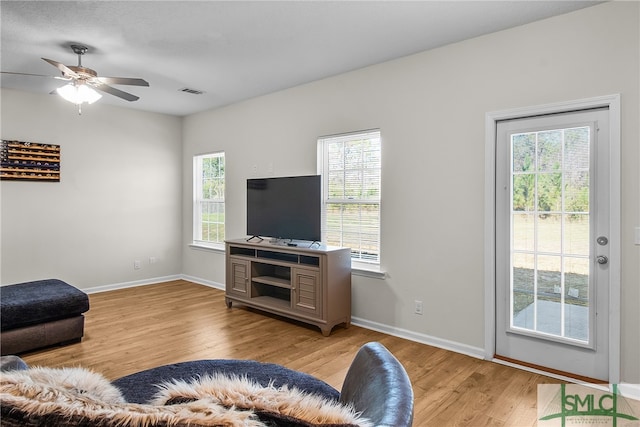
{"x":612,"y":102}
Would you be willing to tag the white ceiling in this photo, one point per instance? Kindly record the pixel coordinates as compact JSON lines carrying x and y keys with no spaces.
{"x":235,"y":50}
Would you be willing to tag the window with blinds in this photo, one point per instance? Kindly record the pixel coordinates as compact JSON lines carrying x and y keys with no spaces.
{"x":350,"y":165}
{"x":208,"y":200}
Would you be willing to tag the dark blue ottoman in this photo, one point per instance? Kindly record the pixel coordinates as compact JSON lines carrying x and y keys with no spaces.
{"x":39,"y":314}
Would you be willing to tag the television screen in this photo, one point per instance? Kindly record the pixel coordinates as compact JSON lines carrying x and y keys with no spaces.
{"x":285,"y":208}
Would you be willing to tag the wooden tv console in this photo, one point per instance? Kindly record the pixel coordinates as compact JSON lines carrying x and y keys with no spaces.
{"x":309,"y":284}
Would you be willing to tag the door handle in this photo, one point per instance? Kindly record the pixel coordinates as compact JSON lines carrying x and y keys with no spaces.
{"x":602,"y":259}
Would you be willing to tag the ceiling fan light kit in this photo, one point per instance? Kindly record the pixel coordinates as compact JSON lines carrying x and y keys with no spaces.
{"x":78,"y":94}
{"x":83,"y":82}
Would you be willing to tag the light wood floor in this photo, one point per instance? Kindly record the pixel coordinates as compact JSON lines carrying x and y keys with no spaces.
{"x":133,"y":329}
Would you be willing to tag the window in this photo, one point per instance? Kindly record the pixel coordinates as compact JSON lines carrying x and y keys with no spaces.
{"x":208,"y":199}
{"x":350,"y":165}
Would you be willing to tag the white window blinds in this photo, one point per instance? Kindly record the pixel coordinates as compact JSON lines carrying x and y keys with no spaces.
{"x":350,"y":165}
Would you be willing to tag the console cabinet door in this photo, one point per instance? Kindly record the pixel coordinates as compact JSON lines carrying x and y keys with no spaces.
{"x":239,"y":280}
{"x":306,"y":292}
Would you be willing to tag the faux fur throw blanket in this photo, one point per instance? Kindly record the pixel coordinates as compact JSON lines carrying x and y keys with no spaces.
{"x":79,"y":397}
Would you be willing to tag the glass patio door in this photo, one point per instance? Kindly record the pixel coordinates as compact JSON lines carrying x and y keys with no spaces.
{"x":552,"y":242}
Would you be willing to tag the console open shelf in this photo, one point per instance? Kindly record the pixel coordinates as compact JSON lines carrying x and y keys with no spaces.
{"x":273,"y":281}
{"x":309,"y":284}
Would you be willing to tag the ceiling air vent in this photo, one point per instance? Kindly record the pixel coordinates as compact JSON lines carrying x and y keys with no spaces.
{"x":191,"y":91}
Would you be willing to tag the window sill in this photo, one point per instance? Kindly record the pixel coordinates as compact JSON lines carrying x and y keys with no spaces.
{"x":373,"y":272}
{"x":203,"y":247}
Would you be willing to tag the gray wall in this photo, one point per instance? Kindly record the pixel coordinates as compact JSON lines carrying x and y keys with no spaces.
{"x":118,"y":199}
{"x":431,"y":109}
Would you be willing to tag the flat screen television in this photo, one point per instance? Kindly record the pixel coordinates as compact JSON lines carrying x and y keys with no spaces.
{"x":284,"y":208}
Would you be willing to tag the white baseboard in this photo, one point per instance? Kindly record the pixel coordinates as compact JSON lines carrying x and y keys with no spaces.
{"x":116,"y":286}
{"x":204,"y":282}
{"x":153,"y":281}
{"x":630,"y":390}
{"x":476,"y":352}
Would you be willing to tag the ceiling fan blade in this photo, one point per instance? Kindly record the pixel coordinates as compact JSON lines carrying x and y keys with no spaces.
{"x":63,"y":68}
{"x":122,"y":81}
{"x":36,"y":75}
{"x":115,"y":92}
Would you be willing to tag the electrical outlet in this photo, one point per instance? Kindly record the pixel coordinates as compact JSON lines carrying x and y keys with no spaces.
{"x":152,"y":260}
{"x":137,"y":264}
{"x":418,"y":307}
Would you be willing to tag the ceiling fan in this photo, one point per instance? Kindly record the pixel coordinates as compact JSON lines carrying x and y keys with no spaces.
{"x":83,"y":80}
